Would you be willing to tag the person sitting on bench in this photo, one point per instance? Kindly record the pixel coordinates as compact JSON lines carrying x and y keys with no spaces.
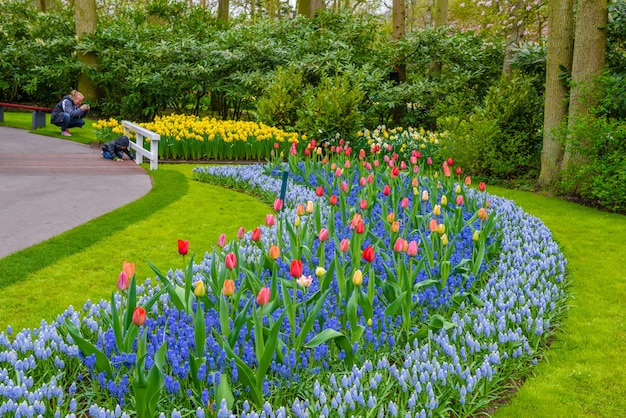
{"x":69,"y":112}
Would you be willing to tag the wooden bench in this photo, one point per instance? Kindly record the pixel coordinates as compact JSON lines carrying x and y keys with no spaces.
{"x":39,"y":113}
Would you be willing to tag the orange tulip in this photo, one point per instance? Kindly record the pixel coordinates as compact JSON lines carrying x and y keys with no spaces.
{"x":139,"y":316}
{"x":228,"y":289}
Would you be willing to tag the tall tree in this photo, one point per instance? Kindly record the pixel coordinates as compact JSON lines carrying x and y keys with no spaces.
{"x":86,"y":16}
{"x":559,"y":58}
{"x":587,"y":63}
{"x":222,"y":9}
{"x":399,"y":32}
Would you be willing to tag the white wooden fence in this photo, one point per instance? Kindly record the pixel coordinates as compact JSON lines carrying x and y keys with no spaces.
{"x":140,"y":133}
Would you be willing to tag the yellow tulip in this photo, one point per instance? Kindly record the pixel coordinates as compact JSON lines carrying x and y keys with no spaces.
{"x":357,"y":278}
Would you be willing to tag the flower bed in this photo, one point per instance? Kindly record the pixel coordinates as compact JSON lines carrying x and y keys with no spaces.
{"x":185,"y":137}
{"x":370,"y":291}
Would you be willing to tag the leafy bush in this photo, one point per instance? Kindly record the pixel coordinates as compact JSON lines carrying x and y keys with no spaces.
{"x":501,"y":139}
{"x":278,"y":106}
{"x":331,"y":109}
{"x":600,"y":143}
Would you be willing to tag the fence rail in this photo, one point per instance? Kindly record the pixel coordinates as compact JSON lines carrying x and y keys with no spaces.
{"x":137,"y":145}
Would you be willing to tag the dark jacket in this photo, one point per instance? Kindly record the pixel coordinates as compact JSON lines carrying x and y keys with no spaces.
{"x":113,"y":147}
{"x":66,"y":105}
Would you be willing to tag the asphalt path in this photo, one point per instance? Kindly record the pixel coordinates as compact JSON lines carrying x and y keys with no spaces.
{"x":51,"y":185}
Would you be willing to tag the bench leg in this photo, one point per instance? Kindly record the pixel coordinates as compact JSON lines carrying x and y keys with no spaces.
{"x":1,"y":113}
{"x":39,"y":119}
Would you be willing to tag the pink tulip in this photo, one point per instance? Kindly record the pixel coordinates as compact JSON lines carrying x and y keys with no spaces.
{"x":433,"y":225}
{"x":458,"y":170}
{"x":347,"y":163}
{"x":338,"y":172}
{"x":459,"y":199}
{"x":468,"y":180}
{"x":414,"y":182}
{"x":278,"y":204}
{"x":344,"y":186}
{"x":413,"y":160}
{"x":231,"y":260}
{"x":404,"y":203}
{"x":482,"y":186}
{"x":361,"y":154}
{"x":293,"y":149}
{"x":269,"y":219}
{"x":362,"y":181}
{"x":446,"y":169}
{"x":323,"y":235}
{"x":263,"y":297}
{"x":429,"y":161}
{"x":344,"y":245}
{"x":412,"y":249}
{"x":307,"y":152}
{"x":241,"y":232}
{"x":402,"y":165}
{"x":122,"y":281}
{"x":363,"y":204}
{"x":369,"y":179}
{"x":399,"y":245}
{"x":221,"y":241}
{"x":376,"y":163}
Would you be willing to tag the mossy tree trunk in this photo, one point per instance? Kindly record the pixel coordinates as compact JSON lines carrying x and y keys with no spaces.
{"x":587,"y":65}
{"x":222,"y":9}
{"x":558,"y":59}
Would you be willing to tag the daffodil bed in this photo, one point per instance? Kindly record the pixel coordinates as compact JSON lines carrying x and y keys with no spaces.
{"x":377,"y":287}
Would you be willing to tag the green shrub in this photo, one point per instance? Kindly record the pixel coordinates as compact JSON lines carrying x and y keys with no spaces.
{"x":331,"y":109}
{"x":278,"y":106}
{"x":501,"y":139}
{"x":599,"y":144}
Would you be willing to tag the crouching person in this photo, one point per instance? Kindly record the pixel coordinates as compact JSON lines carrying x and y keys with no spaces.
{"x":115,"y":149}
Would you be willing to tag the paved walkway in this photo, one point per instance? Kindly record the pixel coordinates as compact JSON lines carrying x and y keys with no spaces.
{"x":50,"y":185}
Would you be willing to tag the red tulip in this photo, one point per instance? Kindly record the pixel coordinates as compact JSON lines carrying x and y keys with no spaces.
{"x":360,"y":227}
{"x":307,"y":152}
{"x":429,"y":161}
{"x":323,"y":235}
{"x":363,"y":204}
{"x":183,"y":247}
{"x":256,"y":234}
{"x":387,"y":190}
{"x":333,"y":200}
{"x":319,"y":191}
{"x":276,"y":145}
{"x":450,"y":162}
{"x":264,"y":296}
{"x":482,"y":186}
{"x":122,"y":281}
{"x":395,"y":172}
{"x":139,"y":316}
{"x":361,"y":154}
{"x":458,"y":170}
{"x":296,"y":268}
{"x":368,"y":254}
{"x":231,"y":260}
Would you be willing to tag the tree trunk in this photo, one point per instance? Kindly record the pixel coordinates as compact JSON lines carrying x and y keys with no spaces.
{"x":560,"y":51}
{"x":222,"y":10}
{"x":441,"y":13}
{"x":587,"y":65}
{"x":399,"y":32}
{"x":86,"y":16}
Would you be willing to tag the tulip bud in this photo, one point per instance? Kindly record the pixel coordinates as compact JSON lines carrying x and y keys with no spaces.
{"x":183,"y":247}
{"x":441,"y":228}
{"x":476,"y":236}
{"x":122,"y":281}
{"x":444,"y":240}
{"x":444,"y":200}
{"x":390,"y":217}
{"x":231,"y":260}
{"x":357,"y":278}
{"x":320,"y":271}
{"x":310,"y":206}
{"x":296,"y":268}
{"x":264,"y":296}
{"x":296,"y":222}
{"x":129,"y":268}
{"x":457,"y":189}
{"x":139,"y":316}
{"x":228,"y":289}
{"x":425,"y":195}
{"x":344,"y":186}
{"x":437,"y":210}
{"x":274,"y":252}
{"x":369,"y":322}
{"x":199,"y":289}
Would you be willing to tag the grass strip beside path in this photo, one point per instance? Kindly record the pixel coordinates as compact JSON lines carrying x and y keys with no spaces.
{"x":84,"y":267}
{"x":584,"y":373}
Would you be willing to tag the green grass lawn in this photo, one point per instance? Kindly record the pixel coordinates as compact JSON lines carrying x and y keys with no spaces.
{"x":583,"y":374}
